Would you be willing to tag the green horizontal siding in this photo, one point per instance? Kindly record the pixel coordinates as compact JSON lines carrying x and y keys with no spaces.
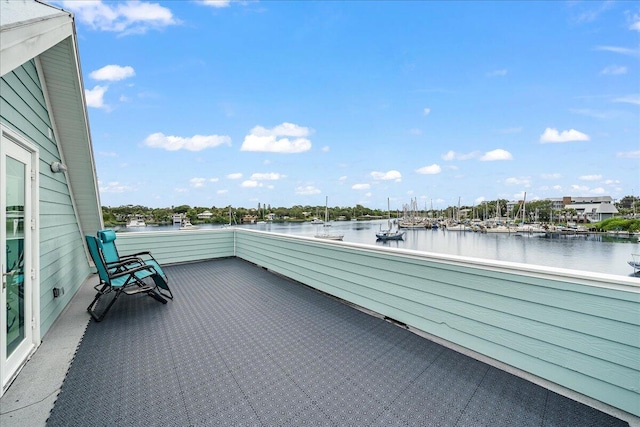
{"x":179,"y":246}
{"x":63,"y":262}
{"x":579,"y":334}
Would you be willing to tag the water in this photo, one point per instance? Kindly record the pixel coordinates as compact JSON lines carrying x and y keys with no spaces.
{"x":593,"y":252}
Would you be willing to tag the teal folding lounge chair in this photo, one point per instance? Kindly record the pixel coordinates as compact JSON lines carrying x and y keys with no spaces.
{"x":106,"y":241}
{"x":119,"y":279}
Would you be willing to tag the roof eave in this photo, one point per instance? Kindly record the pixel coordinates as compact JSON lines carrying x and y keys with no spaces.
{"x":22,"y":41}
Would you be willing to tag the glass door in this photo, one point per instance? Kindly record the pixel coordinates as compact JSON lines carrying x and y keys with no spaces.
{"x":16,"y":337}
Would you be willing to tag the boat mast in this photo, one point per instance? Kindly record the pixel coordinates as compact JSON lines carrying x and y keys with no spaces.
{"x":326,"y":209}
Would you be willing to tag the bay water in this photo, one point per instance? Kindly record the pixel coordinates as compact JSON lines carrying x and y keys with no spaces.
{"x":590,"y":252}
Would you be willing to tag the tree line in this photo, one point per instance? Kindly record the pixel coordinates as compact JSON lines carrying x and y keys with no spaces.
{"x":535,"y":210}
{"x":224,"y":215}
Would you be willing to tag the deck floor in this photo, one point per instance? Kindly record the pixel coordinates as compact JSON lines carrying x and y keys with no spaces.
{"x":242,"y":346}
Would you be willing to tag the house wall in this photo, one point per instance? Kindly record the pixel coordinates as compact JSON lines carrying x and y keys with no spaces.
{"x":63,"y":262}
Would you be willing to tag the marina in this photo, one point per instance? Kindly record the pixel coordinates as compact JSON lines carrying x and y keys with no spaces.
{"x":599,"y":253}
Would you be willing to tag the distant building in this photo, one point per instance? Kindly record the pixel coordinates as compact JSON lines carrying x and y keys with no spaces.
{"x":249,"y":219}
{"x":587,"y":209}
{"x":205,"y":215}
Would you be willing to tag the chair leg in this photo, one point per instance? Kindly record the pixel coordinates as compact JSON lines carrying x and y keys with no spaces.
{"x":104,"y":291}
{"x":162,"y":287}
{"x":166,"y":294}
{"x":157,"y":296}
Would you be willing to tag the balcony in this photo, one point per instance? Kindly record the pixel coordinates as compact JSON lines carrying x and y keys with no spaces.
{"x":271,"y":329}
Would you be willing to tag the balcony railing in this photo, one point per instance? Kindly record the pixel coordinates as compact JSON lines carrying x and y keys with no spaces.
{"x":574,"y":332}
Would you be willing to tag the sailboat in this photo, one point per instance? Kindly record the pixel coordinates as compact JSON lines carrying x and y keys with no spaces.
{"x":389,"y":234}
{"x":261,"y":221}
{"x":328,"y":236}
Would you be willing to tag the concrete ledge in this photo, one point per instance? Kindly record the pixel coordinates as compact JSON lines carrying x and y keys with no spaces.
{"x":29,"y":400}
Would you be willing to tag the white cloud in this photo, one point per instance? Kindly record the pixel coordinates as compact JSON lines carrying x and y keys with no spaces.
{"x":215,"y":3}
{"x":520,"y":181}
{"x":213,"y":180}
{"x":580,"y":188}
{"x":429,"y":170}
{"x":133,"y":17}
{"x":629,"y":154}
{"x":449,"y":155}
{"x":277,"y":140}
{"x":589,"y":11}
{"x":498,"y":154}
{"x":113,"y":73}
{"x":631,"y":99}
{"x":620,"y":50}
{"x":593,"y":113}
{"x":108,"y":154}
{"x":550,"y":176}
{"x":557,"y":187}
{"x":271,"y":176}
{"x":342,"y":178}
{"x":197,"y":182}
{"x":325,"y":149}
{"x":635,"y":23}
{"x":426,"y":111}
{"x":360,"y":186}
{"x":614,"y":70}
{"x":95,"y":96}
{"x":387,"y":176}
{"x":193,"y":143}
{"x":611,"y":182}
{"x":307,"y":190}
{"x":415,"y":131}
{"x":250,"y":184}
{"x":236,"y":175}
{"x":553,"y":136}
{"x":181,"y":190}
{"x":590,"y":177}
{"x":222,"y":191}
{"x":114,"y":187}
{"x":598,"y":190}
{"x":452,"y":155}
{"x":497,"y":73}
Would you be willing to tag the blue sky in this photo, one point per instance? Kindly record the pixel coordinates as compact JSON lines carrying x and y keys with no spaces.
{"x":283,"y":103}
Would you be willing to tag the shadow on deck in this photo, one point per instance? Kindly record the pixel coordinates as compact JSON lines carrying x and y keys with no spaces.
{"x":242,"y":346}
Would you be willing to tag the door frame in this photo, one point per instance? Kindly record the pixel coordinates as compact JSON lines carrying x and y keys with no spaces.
{"x":8,"y":136}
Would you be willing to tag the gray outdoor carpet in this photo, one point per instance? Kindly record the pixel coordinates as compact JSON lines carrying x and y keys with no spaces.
{"x":242,"y":346}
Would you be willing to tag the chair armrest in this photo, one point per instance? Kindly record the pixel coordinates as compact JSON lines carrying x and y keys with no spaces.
{"x":118,"y":264}
{"x":132,"y":270}
{"x":136,"y":254}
